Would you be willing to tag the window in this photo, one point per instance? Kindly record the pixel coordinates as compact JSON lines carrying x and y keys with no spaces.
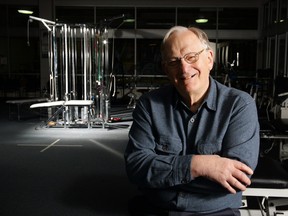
{"x":273,"y":12}
{"x":155,"y":18}
{"x":116,"y":18}
{"x":266,"y":15}
{"x":281,"y":55}
{"x":238,"y":18}
{"x":124,"y":55}
{"x":149,"y":57}
{"x":283,"y":10}
{"x":188,"y":16}
{"x":135,"y":35}
{"x":75,"y":15}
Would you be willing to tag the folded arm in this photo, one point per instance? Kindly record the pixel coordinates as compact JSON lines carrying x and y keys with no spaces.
{"x":230,"y":170}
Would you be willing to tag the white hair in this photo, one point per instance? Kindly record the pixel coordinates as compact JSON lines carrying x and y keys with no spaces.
{"x":198,"y":32}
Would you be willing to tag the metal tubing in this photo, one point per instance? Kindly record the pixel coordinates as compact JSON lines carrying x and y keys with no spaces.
{"x":55,"y":57}
{"x":78,"y":56}
{"x":85,"y":62}
{"x":66,"y":60}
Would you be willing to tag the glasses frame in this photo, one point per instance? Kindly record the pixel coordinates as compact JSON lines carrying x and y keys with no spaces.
{"x":173,"y":62}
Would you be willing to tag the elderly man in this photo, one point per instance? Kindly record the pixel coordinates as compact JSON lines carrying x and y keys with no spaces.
{"x":194,"y":144}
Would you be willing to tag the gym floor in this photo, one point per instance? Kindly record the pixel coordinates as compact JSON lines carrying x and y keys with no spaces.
{"x":58,"y":171}
{"x":63,"y":171}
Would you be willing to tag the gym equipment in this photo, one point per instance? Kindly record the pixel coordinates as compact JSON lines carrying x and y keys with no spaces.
{"x":270,"y":187}
{"x":79,"y":72}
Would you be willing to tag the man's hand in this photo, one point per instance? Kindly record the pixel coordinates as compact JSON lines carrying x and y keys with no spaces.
{"x":231,"y":174}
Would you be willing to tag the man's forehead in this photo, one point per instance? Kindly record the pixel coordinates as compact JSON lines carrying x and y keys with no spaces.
{"x":183,"y":38}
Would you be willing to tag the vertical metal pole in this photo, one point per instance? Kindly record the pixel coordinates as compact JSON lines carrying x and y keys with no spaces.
{"x":81,"y":60}
{"x":73,"y":62}
{"x":101,"y":82}
{"x":74,"y":109}
{"x":66,"y":60}
{"x":97,"y":82}
{"x":85,"y":61}
{"x":91,"y":35}
{"x":65,"y":69}
{"x":76,"y":63}
{"x":51,"y":78}
{"x":62,"y":62}
{"x":50,"y":58}
{"x":106,"y":75}
{"x":88,"y":53}
{"x":55,"y":54}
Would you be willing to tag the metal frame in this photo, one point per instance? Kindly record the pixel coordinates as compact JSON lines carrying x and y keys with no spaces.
{"x":78,"y":65}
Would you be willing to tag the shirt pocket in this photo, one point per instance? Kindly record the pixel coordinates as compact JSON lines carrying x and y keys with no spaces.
{"x":166,"y":145}
{"x":205,"y":147}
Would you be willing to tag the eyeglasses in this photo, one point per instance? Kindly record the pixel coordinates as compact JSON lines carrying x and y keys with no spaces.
{"x":190,"y":58}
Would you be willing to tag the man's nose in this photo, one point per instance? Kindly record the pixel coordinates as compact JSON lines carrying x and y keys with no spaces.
{"x":183,"y":64}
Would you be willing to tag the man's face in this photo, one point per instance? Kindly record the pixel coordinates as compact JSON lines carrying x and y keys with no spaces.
{"x":190,"y":73}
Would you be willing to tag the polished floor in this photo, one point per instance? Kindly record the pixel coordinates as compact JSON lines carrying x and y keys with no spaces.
{"x":58,"y":171}
{"x":64,"y":171}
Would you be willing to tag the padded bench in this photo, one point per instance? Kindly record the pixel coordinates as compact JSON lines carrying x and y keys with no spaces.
{"x":50,"y":104}
{"x":63,"y":106}
{"x":270,"y":184}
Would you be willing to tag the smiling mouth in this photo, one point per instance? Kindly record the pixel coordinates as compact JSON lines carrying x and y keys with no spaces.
{"x":183,"y":77}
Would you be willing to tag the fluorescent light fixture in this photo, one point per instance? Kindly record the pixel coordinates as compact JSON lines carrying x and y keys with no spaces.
{"x":201,"y":20}
{"x":129,"y":20}
{"x":23,"y":11}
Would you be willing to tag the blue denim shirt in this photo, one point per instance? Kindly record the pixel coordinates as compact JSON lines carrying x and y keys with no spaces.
{"x":165,"y":135}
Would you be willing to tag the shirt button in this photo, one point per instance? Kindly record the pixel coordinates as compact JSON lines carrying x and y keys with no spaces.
{"x":192,"y":120}
{"x":181,"y":194}
{"x":184,"y":181}
{"x":165,"y":147}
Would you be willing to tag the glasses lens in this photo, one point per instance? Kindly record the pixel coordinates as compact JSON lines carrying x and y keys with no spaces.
{"x":191,"y":58}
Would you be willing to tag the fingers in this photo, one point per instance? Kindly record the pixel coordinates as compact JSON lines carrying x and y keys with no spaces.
{"x":239,"y":179}
{"x":243,"y":167}
{"x":234,"y":184}
{"x":231,"y":174}
{"x":229,"y":187}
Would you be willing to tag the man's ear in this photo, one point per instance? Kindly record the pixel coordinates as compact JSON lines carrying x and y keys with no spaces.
{"x":210,"y":59}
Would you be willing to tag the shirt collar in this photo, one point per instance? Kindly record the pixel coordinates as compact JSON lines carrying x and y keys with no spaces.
{"x":210,"y":100}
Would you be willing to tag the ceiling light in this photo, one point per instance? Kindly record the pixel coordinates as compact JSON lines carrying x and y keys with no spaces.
{"x":129,"y":20}
{"x":23,"y":11}
{"x":201,"y":20}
